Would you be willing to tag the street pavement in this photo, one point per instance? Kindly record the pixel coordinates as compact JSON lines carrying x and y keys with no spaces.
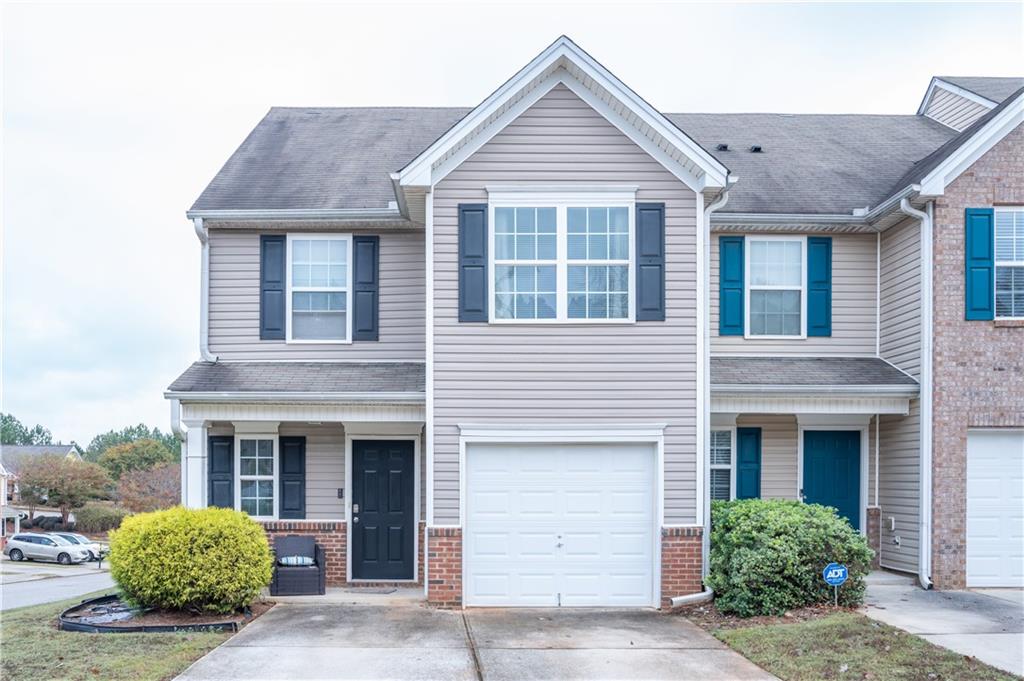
{"x":27,"y":583}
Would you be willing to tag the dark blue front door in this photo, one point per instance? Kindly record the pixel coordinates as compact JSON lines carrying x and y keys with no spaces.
{"x":383,"y":521}
{"x":748,"y":463}
{"x":832,"y":471}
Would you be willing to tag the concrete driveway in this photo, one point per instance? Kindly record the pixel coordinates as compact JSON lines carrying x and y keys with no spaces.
{"x":415,"y":642}
{"x":987,"y":624}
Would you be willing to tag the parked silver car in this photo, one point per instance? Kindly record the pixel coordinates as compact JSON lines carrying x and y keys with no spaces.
{"x":96,"y":549}
{"x":33,"y":546}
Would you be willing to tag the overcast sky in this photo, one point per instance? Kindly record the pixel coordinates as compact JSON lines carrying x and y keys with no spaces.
{"x":116,"y":116}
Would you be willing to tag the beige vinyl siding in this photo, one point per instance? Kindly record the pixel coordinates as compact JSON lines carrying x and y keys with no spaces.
{"x":566,"y":373}
{"x":779,"y":452}
{"x":853,"y":306}
{"x":235,"y":303}
{"x":899,"y":488}
{"x":900,"y":300}
{"x":953,"y":110}
{"x":325,"y":468}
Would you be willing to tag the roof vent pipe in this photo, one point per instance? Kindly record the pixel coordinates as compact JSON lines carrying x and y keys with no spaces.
{"x":756,"y":149}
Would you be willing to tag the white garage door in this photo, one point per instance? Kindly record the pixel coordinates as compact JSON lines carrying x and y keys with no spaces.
{"x":995,"y":508}
{"x":550,"y":525}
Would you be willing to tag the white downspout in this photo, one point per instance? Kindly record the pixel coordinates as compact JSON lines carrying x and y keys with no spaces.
{"x":204,"y":292}
{"x":703,"y":372}
{"x":925,"y":540}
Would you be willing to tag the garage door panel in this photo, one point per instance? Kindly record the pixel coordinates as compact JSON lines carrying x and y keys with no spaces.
{"x":995,"y":508}
{"x":578,"y":527}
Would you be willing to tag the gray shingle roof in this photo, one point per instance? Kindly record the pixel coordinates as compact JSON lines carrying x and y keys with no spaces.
{"x":993,"y":89}
{"x":320,"y":158}
{"x":806,"y":371}
{"x":13,"y":456}
{"x":301,"y":377}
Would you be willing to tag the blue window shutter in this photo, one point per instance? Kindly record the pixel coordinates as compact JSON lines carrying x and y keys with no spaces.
{"x":730,"y":286}
{"x":748,"y":463}
{"x":650,"y":262}
{"x":272,"y":275}
{"x":221,"y":471}
{"x":472,"y":262}
{"x":819,"y":286}
{"x":365,"y":288}
{"x":979,"y":268}
{"x":293,"y":478}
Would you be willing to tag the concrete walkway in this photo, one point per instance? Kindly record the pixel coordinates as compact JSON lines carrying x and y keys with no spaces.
{"x":24,"y":583}
{"x":987,"y":624}
{"x":412,"y":641}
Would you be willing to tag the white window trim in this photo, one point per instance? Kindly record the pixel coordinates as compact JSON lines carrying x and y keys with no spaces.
{"x":996,"y":264}
{"x":732,"y":461}
{"x":562,"y":198}
{"x":747,"y":286}
{"x":288,"y":288}
{"x":275,"y":444}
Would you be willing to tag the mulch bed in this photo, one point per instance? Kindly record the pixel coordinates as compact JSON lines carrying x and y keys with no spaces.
{"x":708,"y":617}
{"x":180,"y":618}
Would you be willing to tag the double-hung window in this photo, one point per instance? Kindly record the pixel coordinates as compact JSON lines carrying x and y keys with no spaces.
{"x":319,"y":286}
{"x":1009,"y":262}
{"x":257,"y":479}
{"x":776,"y":293}
{"x":562,"y":259}
{"x":721,"y":481}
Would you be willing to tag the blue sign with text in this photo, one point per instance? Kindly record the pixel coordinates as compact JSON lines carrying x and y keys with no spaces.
{"x":835,"y":574}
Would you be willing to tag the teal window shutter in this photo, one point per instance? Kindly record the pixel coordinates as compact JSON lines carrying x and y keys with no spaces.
{"x":730,"y":286}
{"x":748,"y":463}
{"x":979,"y":266}
{"x":819,"y":286}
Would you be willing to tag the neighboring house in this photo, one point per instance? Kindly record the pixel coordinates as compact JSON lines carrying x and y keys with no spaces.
{"x":13,"y":457}
{"x":512,"y":352}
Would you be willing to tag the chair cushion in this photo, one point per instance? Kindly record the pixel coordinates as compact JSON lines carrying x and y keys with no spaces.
{"x":295,"y":561}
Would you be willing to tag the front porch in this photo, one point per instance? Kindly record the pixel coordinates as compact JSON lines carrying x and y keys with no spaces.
{"x":840,"y":432}
{"x":344,"y":468}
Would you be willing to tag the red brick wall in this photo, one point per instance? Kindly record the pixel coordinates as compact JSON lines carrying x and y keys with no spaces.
{"x":978,"y":366}
{"x":874,"y":533}
{"x":445,"y":554}
{"x":331,"y":535}
{"x":681,"y":549}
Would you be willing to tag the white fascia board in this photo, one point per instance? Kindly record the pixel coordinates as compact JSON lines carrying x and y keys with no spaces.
{"x":505,"y":432}
{"x":298,"y":214}
{"x":721,"y":390}
{"x":420,"y":171}
{"x":303,"y":397}
{"x":935,"y":183}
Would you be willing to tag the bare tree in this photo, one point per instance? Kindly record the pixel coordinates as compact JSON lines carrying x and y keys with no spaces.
{"x":150,"y":489}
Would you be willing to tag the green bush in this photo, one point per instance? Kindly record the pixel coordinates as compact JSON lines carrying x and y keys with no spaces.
{"x":98,"y":518}
{"x":767,"y":556}
{"x":211,"y":559}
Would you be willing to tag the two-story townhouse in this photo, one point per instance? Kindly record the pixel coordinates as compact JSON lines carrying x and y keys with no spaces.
{"x":512,"y":352}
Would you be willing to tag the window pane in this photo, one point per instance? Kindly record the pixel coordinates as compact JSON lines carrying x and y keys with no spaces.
{"x":248,"y":488}
{"x":618,"y":220}
{"x":1010,"y":291}
{"x":597,"y":278}
{"x":248,"y":448}
{"x":546,"y":249}
{"x":319,"y":316}
{"x":525,"y":306}
{"x":618,"y":247}
{"x":618,"y":306}
{"x":249,"y":506}
{"x":318,"y":251}
{"x":266,"y":507}
{"x":503,"y":279}
{"x":265,"y":467}
{"x":546,"y":306}
{"x":546,"y":220}
{"x":721,"y":448}
{"x":504,"y":220}
{"x":719,"y":484}
{"x":247,"y":466}
{"x":598,"y":244}
{"x":577,"y":247}
{"x":618,"y":278}
{"x":776,"y":263}
{"x":525,"y":292}
{"x":526,"y":220}
{"x":597,"y":306}
{"x":265,"y":448}
{"x":775,"y":313}
{"x":525,"y":247}
{"x":504,"y":247}
{"x":577,"y":220}
{"x":504,"y":306}
{"x":300,"y":275}
{"x":265,"y":489}
{"x":577,"y":306}
{"x":300,"y":251}
{"x":598,"y":220}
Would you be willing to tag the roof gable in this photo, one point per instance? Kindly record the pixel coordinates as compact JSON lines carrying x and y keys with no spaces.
{"x":563,"y":62}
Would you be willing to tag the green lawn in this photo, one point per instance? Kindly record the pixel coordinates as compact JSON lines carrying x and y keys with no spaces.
{"x":33,"y":649}
{"x":847,"y":645}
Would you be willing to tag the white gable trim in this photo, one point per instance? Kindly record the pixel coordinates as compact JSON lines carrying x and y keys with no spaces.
{"x":956,"y":90}
{"x":935,"y":183}
{"x":564,"y":62}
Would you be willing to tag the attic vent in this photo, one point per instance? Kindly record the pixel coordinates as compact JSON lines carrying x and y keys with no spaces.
{"x":722,"y":147}
{"x":756,"y":149}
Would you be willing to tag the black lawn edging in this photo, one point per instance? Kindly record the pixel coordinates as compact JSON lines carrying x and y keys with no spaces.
{"x":64,"y":624}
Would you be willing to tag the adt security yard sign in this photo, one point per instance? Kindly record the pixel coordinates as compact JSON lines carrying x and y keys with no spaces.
{"x":835,"y":575}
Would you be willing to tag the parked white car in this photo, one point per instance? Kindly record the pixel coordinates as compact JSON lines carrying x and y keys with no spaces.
{"x":34,"y":546}
{"x":96,"y":549}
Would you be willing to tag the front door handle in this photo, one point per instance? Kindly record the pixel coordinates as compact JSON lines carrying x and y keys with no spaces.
{"x":355,"y":519}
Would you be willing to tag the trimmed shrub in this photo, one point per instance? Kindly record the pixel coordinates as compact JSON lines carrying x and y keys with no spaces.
{"x":767,"y":556}
{"x":99,"y":518}
{"x":200,"y":560}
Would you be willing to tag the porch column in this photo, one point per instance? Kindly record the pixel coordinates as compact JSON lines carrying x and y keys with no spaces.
{"x":194,"y":494}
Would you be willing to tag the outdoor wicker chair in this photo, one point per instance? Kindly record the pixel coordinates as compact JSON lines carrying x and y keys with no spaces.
{"x":298,"y":580}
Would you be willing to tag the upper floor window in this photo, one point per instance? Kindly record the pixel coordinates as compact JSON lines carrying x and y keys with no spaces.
{"x":776,"y":294}
{"x":562,"y":260}
{"x":1009,"y":262}
{"x":319,"y":285}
